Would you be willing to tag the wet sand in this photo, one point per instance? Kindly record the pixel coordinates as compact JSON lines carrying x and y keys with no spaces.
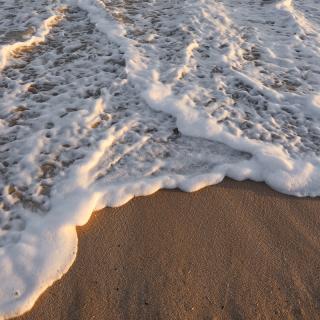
{"x":237,"y":250}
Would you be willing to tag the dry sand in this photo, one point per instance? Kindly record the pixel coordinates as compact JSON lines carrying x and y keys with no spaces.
{"x":237,"y":250}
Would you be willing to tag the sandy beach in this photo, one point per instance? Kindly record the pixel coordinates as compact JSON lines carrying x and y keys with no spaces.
{"x":103,"y":101}
{"x":237,"y":250}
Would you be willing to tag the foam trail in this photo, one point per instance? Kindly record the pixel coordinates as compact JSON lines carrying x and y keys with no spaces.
{"x":191,"y":121}
{"x":10,"y":50}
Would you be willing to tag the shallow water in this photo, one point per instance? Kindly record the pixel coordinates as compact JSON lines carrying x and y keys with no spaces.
{"x":105,"y":100}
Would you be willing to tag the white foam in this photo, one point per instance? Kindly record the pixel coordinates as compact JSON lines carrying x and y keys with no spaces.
{"x":112,"y":101}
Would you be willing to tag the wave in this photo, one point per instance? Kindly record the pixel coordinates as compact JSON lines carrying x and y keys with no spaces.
{"x":102,"y":101}
{"x":15,"y":50}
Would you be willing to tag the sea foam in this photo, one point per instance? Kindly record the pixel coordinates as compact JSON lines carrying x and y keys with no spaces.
{"x":104,"y":100}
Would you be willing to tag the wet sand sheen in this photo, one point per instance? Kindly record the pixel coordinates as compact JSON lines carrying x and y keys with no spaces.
{"x":237,"y":250}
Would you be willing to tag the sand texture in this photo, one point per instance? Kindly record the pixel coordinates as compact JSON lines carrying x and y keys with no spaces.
{"x":237,"y":250}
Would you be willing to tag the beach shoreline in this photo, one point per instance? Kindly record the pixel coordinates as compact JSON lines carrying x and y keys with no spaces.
{"x":104,"y":101}
{"x":236,"y":250}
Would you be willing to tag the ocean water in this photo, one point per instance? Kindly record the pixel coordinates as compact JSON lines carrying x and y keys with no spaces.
{"x":104,"y":100}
